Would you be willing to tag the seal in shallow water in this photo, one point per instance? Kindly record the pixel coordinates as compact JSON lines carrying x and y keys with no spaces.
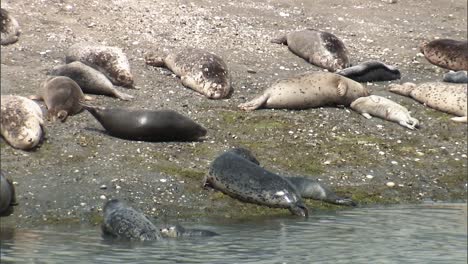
{"x":21,"y":122}
{"x":198,"y":69}
{"x":371,"y":71}
{"x":244,"y":180}
{"x":456,"y":77}
{"x":447,"y":53}
{"x":446,"y":97}
{"x":89,"y":79}
{"x":320,"y":48}
{"x":10,"y":29}
{"x":177,"y":231}
{"x":308,"y":90}
{"x":111,"y":61}
{"x":123,"y":222}
{"x":147,"y":125}
{"x":7,"y":195}
{"x":384,"y":108}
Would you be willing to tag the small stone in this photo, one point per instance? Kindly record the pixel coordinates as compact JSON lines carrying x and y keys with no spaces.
{"x":103,"y":187}
{"x":390,"y":184}
{"x":163,"y":180}
{"x":102,"y":197}
{"x":368,"y":176}
{"x":394,"y":162}
{"x":251,"y":71}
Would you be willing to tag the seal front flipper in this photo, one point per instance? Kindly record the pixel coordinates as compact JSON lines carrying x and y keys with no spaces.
{"x":255,"y":103}
{"x":342,"y":88}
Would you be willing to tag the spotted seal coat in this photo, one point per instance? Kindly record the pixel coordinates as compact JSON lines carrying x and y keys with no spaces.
{"x":447,"y":53}
{"x":7,"y":195}
{"x":198,"y":69}
{"x":177,"y":231}
{"x":456,"y":77}
{"x":371,"y":71}
{"x":313,"y":89}
{"x":111,"y":61}
{"x":320,"y":48}
{"x":21,"y":122}
{"x":446,"y":97}
{"x":374,"y":105}
{"x":10,"y":29}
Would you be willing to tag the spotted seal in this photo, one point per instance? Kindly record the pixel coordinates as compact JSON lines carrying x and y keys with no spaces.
{"x":7,"y":195}
{"x":177,"y":231}
{"x":371,"y":71}
{"x":320,"y":48}
{"x":21,"y":122}
{"x":111,"y":61}
{"x":456,"y":77}
{"x":313,"y":89}
{"x":10,"y":29}
{"x":244,"y":180}
{"x":89,"y":79}
{"x":198,"y":69}
{"x":125,"y":223}
{"x":384,"y":108}
{"x":146,"y":125}
{"x":446,"y":53}
{"x":446,"y":97}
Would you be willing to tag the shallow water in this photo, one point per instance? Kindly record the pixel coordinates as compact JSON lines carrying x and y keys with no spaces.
{"x":435,"y":233}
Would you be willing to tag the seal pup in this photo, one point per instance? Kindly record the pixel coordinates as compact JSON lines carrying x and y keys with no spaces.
{"x":384,"y":108}
{"x":313,"y":89}
{"x":445,"y":97}
{"x":89,"y":79}
{"x":10,"y":29}
{"x":125,"y":223}
{"x":177,"y":231}
{"x":244,"y":180}
{"x":371,"y":71}
{"x":146,"y":125}
{"x":111,"y":61}
{"x":456,"y":77}
{"x":21,"y":122}
{"x":446,"y":53}
{"x":320,"y":48}
{"x":7,"y":195}
{"x":200,"y":70}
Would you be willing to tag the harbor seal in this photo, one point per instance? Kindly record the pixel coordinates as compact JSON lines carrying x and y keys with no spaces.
{"x":125,"y":223}
{"x":200,"y":70}
{"x":10,"y":29}
{"x":111,"y":61}
{"x":21,"y":122}
{"x":7,"y":195}
{"x":456,"y":77}
{"x":384,"y":108}
{"x":446,"y":97}
{"x":320,"y":48}
{"x":308,"y":90}
{"x":177,"y":231}
{"x":447,"y":53}
{"x":147,"y":125}
{"x":244,"y":180}
{"x":371,"y":71}
{"x":89,"y":79}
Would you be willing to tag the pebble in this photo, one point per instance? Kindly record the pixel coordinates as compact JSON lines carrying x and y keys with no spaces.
{"x":368,"y":176}
{"x":102,"y":197}
{"x":103,"y":187}
{"x":390,"y":184}
{"x":163,"y":180}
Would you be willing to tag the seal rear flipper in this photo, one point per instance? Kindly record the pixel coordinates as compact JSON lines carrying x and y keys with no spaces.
{"x":154,"y":60}
{"x":281,"y":40}
{"x":344,"y":201}
{"x":460,"y":119}
{"x":122,"y":96}
{"x":255,"y":103}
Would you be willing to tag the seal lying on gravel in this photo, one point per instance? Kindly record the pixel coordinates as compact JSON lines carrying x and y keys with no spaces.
{"x":371,"y":71}
{"x":10,"y":29}
{"x":447,"y":53}
{"x":320,"y":48}
{"x":123,"y":222}
{"x":198,"y":69}
{"x":21,"y":122}
{"x":7,"y":195}
{"x":384,"y":108}
{"x":244,"y":180}
{"x":308,"y":90}
{"x":90,"y":80}
{"x":146,"y":125}
{"x":456,"y":77}
{"x":111,"y":61}
{"x":446,"y":97}
{"x":176,"y":231}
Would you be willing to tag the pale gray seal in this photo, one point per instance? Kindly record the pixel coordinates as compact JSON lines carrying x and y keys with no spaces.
{"x":125,"y":223}
{"x":147,"y":125}
{"x":320,"y":48}
{"x":371,"y":71}
{"x":111,"y":61}
{"x":200,"y":70}
{"x":447,"y":53}
{"x":446,"y":97}
{"x":384,"y":108}
{"x":177,"y":231}
{"x":10,"y":29}
{"x":89,"y":79}
{"x":456,"y":77}
{"x":7,"y":195}
{"x":308,"y":90}
{"x":244,"y":180}
{"x":21,"y":122}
